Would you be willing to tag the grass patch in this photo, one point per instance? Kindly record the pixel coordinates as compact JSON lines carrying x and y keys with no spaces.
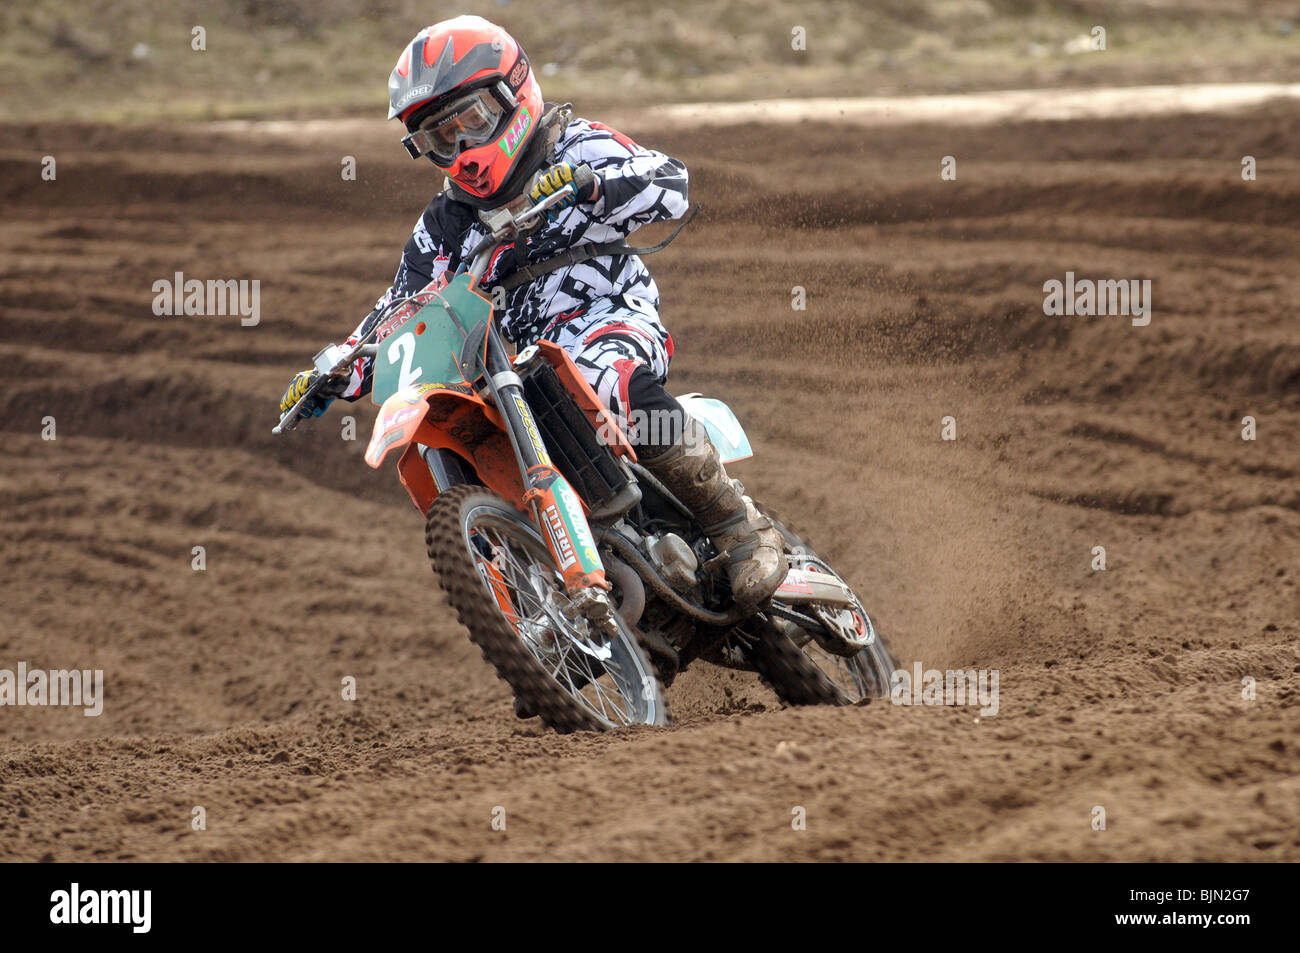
{"x":133,"y":59}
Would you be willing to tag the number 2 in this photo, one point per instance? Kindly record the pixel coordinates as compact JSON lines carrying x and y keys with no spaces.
{"x":404,"y":348}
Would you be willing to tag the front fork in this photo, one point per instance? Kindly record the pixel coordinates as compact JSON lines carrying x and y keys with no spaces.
{"x":555,"y":505}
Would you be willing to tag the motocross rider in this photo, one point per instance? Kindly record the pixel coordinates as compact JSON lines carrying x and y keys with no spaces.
{"x":472,"y":105}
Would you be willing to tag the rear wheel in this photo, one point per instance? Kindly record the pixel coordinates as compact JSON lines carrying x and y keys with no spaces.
{"x":500,"y":578}
{"x":794,"y":664}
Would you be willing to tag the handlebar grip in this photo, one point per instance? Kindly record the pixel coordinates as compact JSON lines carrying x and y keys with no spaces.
{"x":583,"y":179}
{"x":290,"y":419}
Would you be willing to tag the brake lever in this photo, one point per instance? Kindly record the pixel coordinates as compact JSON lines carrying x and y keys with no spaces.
{"x":501,"y":223}
{"x":325,"y":370}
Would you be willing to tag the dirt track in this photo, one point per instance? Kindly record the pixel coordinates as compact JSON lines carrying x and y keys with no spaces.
{"x":1119,"y":688}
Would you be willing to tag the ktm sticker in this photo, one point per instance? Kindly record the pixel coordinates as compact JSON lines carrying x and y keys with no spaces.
{"x":795,"y":582}
{"x":400,"y":417}
{"x":515,"y":134}
{"x":530,"y":425}
{"x":559,"y":538}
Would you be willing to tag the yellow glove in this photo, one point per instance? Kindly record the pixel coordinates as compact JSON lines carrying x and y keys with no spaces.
{"x":551,"y":181}
{"x":320,"y":400}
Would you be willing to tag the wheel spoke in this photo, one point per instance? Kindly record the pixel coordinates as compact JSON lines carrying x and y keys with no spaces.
{"x":524,"y":577}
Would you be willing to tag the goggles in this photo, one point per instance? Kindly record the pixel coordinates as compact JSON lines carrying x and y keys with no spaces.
{"x":468,"y":122}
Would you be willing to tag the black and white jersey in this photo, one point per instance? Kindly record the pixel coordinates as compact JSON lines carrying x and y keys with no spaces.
{"x":637,"y":186}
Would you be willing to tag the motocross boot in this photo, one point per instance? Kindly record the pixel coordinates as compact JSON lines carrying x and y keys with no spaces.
{"x":691,"y":470}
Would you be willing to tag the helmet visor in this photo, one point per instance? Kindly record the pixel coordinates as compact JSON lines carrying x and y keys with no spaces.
{"x":470,"y":121}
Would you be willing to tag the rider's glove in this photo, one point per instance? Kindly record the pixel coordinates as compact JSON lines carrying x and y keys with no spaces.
{"x":553,"y":180}
{"x":319,"y":402}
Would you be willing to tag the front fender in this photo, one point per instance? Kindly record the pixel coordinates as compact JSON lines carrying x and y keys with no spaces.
{"x":453,"y":417}
{"x":399,"y":418}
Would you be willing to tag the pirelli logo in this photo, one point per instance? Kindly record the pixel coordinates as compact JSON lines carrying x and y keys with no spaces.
{"x":560,"y":541}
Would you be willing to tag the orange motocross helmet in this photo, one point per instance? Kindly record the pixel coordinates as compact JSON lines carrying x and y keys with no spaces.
{"x":472,"y":105}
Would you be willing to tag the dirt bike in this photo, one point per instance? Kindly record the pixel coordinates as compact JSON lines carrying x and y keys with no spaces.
{"x":585,"y":583}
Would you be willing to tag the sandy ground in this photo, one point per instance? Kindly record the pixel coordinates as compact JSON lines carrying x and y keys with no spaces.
{"x":1011,"y":105}
{"x":1120,"y":689}
{"x":1001,"y":106}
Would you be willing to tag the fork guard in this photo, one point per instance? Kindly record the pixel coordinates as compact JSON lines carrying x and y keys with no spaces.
{"x":559,"y":512}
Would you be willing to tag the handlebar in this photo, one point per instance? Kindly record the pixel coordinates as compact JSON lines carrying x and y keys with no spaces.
{"x":501,"y":223}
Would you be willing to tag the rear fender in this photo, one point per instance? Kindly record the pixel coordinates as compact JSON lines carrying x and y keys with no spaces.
{"x":722,"y":424}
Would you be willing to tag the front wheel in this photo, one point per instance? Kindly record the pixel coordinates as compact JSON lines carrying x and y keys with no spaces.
{"x":797,"y":668}
{"x":500,"y":578}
